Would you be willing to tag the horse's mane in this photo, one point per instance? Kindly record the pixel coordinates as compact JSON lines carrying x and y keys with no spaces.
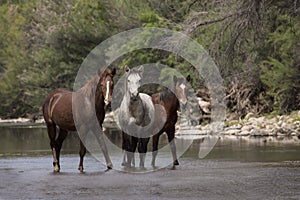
{"x":90,"y":87}
{"x":166,"y":95}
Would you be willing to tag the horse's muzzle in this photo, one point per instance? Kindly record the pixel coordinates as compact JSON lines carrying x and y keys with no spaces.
{"x":134,"y":97}
{"x":106,"y":102}
{"x":183,"y":105}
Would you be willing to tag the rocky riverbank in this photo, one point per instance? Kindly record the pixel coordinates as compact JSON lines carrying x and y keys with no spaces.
{"x":262,"y":126}
{"x":251,"y":125}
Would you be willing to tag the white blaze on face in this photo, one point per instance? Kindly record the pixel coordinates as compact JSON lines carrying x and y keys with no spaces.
{"x":107,"y":93}
{"x":182,"y":86}
{"x":182,"y":95}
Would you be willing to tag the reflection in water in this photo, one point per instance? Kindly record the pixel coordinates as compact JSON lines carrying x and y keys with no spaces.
{"x":24,"y":141}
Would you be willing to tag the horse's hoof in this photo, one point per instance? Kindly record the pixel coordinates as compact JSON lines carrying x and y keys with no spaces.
{"x":109,"y":166}
{"x":56,"y":168}
{"x":142,"y":166}
{"x":80,"y":168}
{"x":126,"y":164}
{"x":176,"y":162}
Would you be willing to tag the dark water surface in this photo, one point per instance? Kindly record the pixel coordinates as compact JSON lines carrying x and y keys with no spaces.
{"x":33,"y":141}
{"x":236,"y":168}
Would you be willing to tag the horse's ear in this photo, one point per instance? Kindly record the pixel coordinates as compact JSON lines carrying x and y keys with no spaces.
{"x":188,"y":78}
{"x":127,"y":69}
{"x":100,"y":71}
{"x":141,"y":69}
{"x":113,"y":71}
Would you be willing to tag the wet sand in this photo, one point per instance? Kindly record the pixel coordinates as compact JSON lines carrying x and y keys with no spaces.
{"x":32,"y":178}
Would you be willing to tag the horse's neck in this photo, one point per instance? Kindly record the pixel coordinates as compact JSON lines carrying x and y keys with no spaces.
{"x":92,"y":93}
{"x":99,"y":97}
{"x":169,"y":94}
{"x":169,"y":98}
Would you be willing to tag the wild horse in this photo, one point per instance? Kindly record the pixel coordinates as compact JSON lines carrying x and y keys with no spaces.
{"x":136,"y":112}
{"x":170,"y":100}
{"x":58,"y":111}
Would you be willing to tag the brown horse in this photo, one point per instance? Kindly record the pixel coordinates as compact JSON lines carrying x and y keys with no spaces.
{"x":58,"y":111}
{"x":170,"y":102}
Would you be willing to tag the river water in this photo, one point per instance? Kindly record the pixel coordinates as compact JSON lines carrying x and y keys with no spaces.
{"x":236,"y":168}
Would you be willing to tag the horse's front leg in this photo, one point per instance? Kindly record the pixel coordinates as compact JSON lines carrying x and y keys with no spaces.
{"x":82,"y":153}
{"x":154,"y":149}
{"x":142,"y":148}
{"x":132,"y":144}
{"x":104,"y":149}
{"x":82,"y":135}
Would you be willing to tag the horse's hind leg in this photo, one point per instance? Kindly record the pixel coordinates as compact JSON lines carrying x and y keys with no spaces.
{"x":82,"y":153}
{"x":155,"y":141}
{"x":52,"y":136}
{"x":171,"y":139}
{"x":61,"y":137}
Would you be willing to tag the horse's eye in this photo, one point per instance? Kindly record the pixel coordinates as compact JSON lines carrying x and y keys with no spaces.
{"x":128,"y":81}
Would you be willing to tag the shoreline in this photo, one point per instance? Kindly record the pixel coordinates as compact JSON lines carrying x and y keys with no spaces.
{"x":278,"y":126}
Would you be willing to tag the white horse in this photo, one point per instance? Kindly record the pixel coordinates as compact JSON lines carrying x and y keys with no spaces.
{"x":136,"y":117}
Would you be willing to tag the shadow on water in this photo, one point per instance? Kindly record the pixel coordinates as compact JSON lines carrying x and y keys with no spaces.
{"x":33,"y":141}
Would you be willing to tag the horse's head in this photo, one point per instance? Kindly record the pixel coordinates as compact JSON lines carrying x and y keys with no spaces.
{"x":181,"y":89}
{"x":133,"y":81}
{"x":107,"y":84}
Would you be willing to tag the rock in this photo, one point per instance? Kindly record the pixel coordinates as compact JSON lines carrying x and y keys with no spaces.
{"x":282,"y":132}
{"x":232,"y":132}
{"x":279,"y":123}
{"x":269,"y":127}
{"x":294,"y":133}
{"x":272,"y":121}
{"x":284,"y":124}
{"x":236,"y":126}
{"x":204,"y":105}
{"x":281,"y":118}
{"x":244,"y":133}
{"x":247,"y":128}
{"x":261,"y":119}
{"x":258,"y":132}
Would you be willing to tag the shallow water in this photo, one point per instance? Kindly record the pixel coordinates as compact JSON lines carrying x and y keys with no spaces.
{"x":236,"y":168}
{"x":24,"y":140}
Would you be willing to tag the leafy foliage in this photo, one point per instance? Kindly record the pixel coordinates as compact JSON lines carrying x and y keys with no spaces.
{"x":255,"y":44}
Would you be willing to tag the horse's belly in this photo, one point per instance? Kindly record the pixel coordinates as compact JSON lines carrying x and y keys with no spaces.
{"x":64,"y":122}
{"x":63,"y":117}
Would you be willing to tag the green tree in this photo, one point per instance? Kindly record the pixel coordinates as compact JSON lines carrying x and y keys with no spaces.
{"x":281,"y":71}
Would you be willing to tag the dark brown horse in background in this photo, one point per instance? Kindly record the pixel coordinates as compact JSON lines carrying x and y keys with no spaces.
{"x":171,"y":103}
{"x":91,"y":98}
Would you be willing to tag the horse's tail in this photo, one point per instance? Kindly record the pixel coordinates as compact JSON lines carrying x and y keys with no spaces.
{"x":49,"y":105}
{"x":46,"y":108}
